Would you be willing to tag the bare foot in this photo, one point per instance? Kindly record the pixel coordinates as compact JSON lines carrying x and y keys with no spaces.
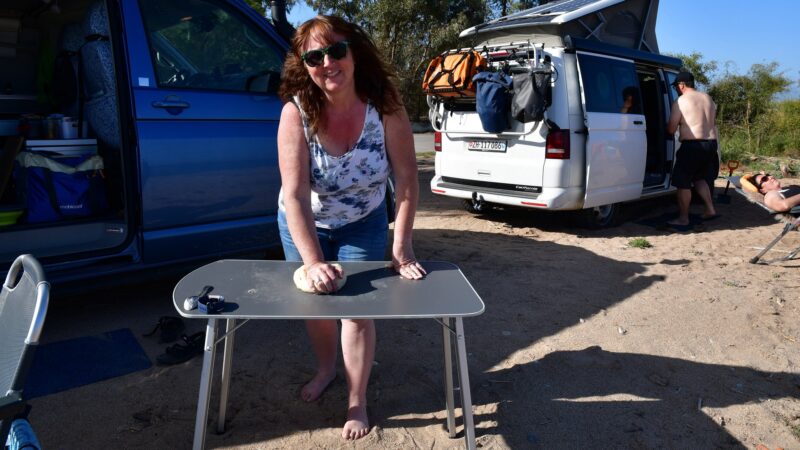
{"x":357,"y":425}
{"x":314,"y":388}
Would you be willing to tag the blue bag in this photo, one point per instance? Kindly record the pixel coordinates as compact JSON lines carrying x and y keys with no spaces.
{"x":493,"y":100}
{"x":60,"y":188}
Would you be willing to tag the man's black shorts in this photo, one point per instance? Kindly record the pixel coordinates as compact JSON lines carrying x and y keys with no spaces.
{"x":696,"y":160}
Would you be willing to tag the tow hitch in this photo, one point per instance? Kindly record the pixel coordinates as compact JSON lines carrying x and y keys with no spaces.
{"x":477,"y":202}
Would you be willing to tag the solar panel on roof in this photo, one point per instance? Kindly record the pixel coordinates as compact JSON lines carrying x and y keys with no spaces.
{"x":559,"y":7}
{"x":554,"y":8}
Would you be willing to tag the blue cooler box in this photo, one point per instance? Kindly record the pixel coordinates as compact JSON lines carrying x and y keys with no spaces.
{"x":60,"y":179}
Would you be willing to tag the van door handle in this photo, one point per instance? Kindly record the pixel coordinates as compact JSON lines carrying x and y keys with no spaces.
{"x":169,"y":104}
{"x":638,"y":122}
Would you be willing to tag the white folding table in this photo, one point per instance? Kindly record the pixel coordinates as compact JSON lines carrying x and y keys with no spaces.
{"x":255,"y":289}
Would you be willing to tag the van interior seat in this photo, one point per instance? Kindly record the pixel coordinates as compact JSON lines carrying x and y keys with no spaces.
{"x":100,"y":86}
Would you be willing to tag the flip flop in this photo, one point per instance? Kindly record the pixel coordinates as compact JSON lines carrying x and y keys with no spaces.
{"x":180,"y":353}
{"x":709,"y":218}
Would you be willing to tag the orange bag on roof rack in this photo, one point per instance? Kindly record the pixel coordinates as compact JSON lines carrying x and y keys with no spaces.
{"x":450,"y":74}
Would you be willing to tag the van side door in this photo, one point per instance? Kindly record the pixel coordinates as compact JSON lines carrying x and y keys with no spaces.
{"x":204,"y":77}
{"x":616,"y":145}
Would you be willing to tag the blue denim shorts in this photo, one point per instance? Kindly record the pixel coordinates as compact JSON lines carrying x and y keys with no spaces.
{"x":362,"y":240}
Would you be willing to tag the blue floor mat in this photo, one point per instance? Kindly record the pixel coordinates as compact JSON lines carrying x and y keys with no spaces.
{"x":64,"y":365}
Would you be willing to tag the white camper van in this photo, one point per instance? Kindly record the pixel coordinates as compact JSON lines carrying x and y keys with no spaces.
{"x":602,"y":139}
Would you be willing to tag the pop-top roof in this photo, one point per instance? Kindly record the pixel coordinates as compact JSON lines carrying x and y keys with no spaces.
{"x":627,"y":23}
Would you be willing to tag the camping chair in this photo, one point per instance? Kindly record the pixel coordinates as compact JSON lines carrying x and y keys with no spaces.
{"x":23,"y":306}
{"x":791,"y":219}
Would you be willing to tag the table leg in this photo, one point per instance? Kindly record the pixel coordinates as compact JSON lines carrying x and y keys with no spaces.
{"x":448,"y":375}
{"x":209,"y":350}
{"x":463,"y":382}
{"x":227,"y":359}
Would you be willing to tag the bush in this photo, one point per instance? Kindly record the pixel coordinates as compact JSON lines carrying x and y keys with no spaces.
{"x":639,"y":243}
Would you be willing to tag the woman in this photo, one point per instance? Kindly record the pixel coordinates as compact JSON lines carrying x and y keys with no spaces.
{"x":342,"y":130}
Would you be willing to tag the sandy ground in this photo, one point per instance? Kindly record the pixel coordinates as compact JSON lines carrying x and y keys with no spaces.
{"x":586,"y":342}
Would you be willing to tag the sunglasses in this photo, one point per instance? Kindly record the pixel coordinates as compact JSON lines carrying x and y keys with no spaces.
{"x":764,"y":178}
{"x":314,"y":58}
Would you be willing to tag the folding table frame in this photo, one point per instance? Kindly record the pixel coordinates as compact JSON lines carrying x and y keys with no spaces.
{"x":371,"y":292}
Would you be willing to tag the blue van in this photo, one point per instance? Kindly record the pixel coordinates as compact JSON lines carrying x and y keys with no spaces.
{"x":137,"y":135}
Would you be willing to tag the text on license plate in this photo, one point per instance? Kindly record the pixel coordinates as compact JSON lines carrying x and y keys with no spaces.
{"x":487,"y":146}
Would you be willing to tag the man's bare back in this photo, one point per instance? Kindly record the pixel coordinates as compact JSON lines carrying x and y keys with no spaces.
{"x":694,"y":113}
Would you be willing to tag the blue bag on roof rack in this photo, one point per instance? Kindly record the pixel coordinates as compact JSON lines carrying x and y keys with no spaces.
{"x":60,"y":188}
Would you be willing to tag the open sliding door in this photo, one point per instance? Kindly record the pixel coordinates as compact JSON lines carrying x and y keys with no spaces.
{"x":616,"y":145}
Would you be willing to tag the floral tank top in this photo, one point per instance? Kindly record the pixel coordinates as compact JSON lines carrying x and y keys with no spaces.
{"x":347,"y":188}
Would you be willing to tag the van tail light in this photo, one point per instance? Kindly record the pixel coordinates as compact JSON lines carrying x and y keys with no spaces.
{"x":437,"y":141}
{"x":557,"y":146}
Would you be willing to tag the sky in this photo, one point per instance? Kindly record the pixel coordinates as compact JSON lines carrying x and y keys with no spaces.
{"x":742,"y":32}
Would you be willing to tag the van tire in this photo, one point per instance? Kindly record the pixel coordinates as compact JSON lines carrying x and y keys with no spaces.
{"x":604,"y":216}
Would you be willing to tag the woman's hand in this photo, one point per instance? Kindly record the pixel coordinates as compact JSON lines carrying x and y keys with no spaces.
{"x":322,"y":276}
{"x":406,"y":264}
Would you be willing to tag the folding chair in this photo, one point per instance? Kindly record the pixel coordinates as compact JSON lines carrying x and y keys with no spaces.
{"x":791,"y":219}
{"x":23,"y":306}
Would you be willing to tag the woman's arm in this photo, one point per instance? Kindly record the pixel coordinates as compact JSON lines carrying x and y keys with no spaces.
{"x":293,"y":161}
{"x":400,"y":149}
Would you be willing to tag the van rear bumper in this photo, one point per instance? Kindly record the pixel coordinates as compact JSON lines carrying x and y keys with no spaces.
{"x":556,"y":199}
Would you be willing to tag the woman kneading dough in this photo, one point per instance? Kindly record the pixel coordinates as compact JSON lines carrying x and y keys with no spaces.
{"x":343,"y":129}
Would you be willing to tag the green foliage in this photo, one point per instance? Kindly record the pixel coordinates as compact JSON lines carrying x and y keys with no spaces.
{"x":639,"y":243}
{"x":258,"y":5}
{"x":693,"y":63}
{"x":743,"y":99}
{"x":262,"y":6}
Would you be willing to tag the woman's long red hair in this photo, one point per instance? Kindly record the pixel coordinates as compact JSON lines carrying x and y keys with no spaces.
{"x":374,"y":79}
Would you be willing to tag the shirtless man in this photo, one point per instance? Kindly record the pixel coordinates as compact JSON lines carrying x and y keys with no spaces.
{"x":694,"y":114}
{"x":777,"y":199}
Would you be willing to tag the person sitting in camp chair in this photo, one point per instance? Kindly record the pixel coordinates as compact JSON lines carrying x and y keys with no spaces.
{"x":776,"y":198}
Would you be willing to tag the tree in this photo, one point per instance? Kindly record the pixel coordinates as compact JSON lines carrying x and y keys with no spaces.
{"x":262,"y":6}
{"x":746,"y":102}
{"x":693,"y":63}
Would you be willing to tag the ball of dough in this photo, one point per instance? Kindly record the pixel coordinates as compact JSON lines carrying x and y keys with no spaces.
{"x":302,"y":282}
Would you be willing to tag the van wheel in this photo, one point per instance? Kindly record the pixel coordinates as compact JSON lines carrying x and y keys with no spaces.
{"x":599,"y":217}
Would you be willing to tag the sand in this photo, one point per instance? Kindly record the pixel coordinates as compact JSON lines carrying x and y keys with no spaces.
{"x":586,"y":342}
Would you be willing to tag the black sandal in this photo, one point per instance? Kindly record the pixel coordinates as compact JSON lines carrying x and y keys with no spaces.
{"x":171,"y":328}
{"x":180,"y":353}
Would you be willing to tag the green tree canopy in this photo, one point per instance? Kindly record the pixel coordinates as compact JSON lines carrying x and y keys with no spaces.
{"x":702,"y":70}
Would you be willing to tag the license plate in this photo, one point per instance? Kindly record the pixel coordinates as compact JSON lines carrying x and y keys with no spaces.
{"x":487,"y":146}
